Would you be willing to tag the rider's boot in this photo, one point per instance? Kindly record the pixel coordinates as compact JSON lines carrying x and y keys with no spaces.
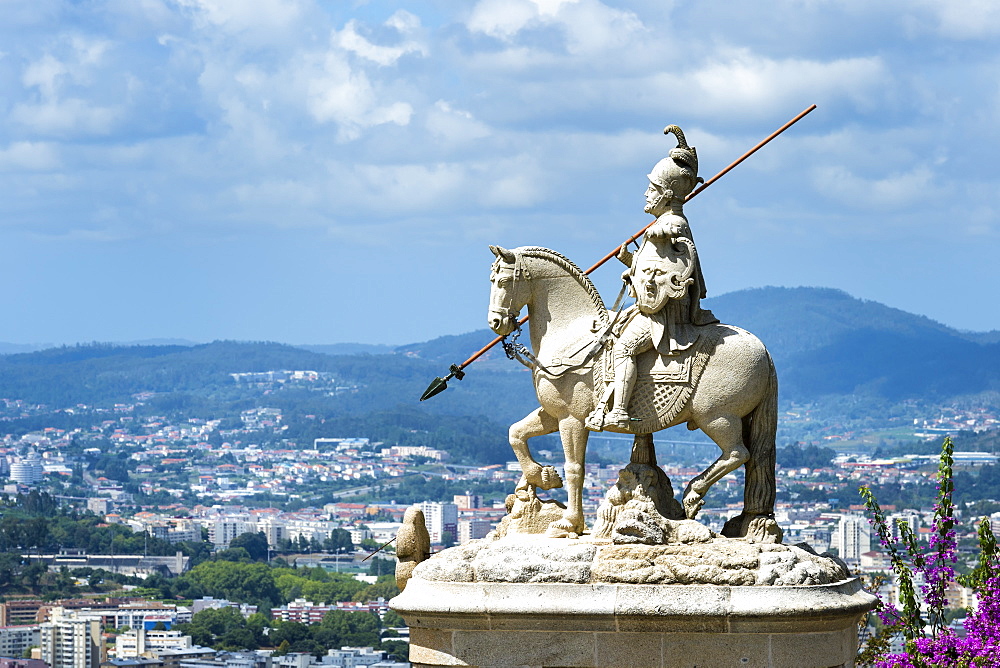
{"x":595,"y":421}
{"x":618,"y":417}
{"x":625,"y":374}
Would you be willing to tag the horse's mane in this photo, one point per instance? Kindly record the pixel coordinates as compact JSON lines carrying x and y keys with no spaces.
{"x":574,"y":271}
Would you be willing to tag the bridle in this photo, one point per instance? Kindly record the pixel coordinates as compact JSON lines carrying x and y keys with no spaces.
{"x":519,"y":352}
{"x":506,"y":308}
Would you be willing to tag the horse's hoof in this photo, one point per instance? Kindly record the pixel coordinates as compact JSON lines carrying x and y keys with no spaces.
{"x":555,"y":531}
{"x":542,"y":477}
{"x":564,"y":528}
{"x":692,"y":505}
{"x":550,"y":478}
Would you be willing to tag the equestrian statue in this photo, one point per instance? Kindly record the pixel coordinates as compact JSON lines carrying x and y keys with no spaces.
{"x":661,"y":362}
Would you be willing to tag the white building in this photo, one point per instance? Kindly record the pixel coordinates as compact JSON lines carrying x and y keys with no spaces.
{"x":28,"y":471}
{"x":910,"y":519}
{"x":441,"y":519}
{"x":72,"y":639}
{"x":222,"y":531}
{"x":143,"y":615}
{"x":137,"y":642}
{"x":854,"y":537}
{"x":353,"y":657}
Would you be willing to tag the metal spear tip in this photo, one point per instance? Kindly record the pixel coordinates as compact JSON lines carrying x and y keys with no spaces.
{"x":439,"y":385}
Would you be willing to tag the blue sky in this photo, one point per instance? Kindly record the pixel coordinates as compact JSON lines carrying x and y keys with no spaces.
{"x":315,"y":171}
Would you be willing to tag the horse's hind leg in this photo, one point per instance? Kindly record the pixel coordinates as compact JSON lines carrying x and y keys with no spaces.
{"x":536,"y":423}
{"x":727,"y":432}
{"x":574,"y":439}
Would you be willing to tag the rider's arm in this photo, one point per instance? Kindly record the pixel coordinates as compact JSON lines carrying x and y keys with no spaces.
{"x":625,"y":256}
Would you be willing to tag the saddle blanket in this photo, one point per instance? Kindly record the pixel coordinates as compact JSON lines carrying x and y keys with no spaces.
{"x":664,"y":384}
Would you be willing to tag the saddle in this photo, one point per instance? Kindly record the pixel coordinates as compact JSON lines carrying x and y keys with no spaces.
{"x":664,"y":383}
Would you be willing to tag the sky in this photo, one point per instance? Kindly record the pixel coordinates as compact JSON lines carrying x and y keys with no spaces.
{"x":320,"y":171}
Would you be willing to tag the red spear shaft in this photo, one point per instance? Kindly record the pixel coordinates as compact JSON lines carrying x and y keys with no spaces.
{"x":439,"y":385}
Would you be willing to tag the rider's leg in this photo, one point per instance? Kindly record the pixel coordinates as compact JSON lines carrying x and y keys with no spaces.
{"x":636,"y":339}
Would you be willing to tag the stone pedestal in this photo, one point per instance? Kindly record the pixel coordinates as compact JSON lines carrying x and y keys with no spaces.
{"x":557,"y":624}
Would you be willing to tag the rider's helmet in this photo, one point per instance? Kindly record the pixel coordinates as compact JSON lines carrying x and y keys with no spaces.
{"x":678,"y":172}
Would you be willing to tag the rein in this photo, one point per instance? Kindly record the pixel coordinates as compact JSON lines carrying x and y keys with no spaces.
{"x":520,"y":353}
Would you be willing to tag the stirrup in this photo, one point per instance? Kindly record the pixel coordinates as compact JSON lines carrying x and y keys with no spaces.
{"x":618,"y":417}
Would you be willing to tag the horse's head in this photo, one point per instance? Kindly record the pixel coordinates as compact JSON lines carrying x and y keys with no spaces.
{"x":508,"y":293}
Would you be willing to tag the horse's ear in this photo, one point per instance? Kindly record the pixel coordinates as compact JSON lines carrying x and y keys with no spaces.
{"x":504,"y":254}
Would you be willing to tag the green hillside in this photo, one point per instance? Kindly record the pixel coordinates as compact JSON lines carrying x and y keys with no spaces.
{"x":827,"y":346}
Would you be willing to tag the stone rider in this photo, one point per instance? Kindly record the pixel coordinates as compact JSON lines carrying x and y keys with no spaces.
{"x":665,"y":279}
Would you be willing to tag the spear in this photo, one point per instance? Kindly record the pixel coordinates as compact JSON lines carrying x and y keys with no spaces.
{"x":439,"y":384}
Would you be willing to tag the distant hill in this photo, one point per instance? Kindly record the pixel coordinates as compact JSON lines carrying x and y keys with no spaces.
{"x":794,"y":320}
{"x":825,"y":341}
{"x":825,"y":344}
{"x":347,"y":348}
{"x":455,"y":349}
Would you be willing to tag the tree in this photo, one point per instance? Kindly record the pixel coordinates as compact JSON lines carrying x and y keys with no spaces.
{"x":385,"y":588}
{"x":222,"y":628}
{"x":380,"y":567}
{"x":10,"y":569}
{"x":242,"y":582}
{"x":356,"y":629}
{"x":339,"y":541}
{"x":254,"y":543}
{"x":399,"y":650}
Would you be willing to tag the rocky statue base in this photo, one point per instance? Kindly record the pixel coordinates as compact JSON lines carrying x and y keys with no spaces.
{"x":525,"y":600}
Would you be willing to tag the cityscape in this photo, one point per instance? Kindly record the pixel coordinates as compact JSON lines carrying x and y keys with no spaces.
{"x":329,"y":505}
{"x":239,"y":238}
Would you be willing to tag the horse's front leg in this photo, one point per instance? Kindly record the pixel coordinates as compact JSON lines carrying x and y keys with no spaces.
{"x":574,"y":440}
{"x":727,"y":432}
{"x":536,"y":423}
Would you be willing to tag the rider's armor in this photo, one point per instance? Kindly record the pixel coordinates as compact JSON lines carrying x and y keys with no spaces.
{"x":665,"y":278}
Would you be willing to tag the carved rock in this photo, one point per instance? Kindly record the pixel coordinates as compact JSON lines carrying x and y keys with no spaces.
{"x":527,"y":514}
{"x":641,"y":508}
{"x":715,"y":561}
{"x":719,"y":561}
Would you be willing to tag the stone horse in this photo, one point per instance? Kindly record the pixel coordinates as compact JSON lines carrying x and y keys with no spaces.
{"x":734,"y":401}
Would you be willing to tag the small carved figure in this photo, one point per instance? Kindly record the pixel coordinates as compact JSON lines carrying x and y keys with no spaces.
{"x":413,"y":545}
{"x":665,"y":279}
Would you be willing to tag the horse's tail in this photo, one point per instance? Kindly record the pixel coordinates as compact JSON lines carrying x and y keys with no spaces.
{"x":760,"y":428}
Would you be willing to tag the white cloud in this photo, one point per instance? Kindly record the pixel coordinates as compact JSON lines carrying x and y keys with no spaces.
{"x":501,"y":19}
{"x":29,"y":156}
{"x":587,"y":26}
{"x":971,"y":19}
{"x":455,"y":125}
{"x":402,"y":21}
{"x":44,"y":74}
{"x":66,"y":117}
{"x":904,"y":190}
{"x":343,"y":95}
{"x":260,"y":20}
{"x":756,"y":84}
